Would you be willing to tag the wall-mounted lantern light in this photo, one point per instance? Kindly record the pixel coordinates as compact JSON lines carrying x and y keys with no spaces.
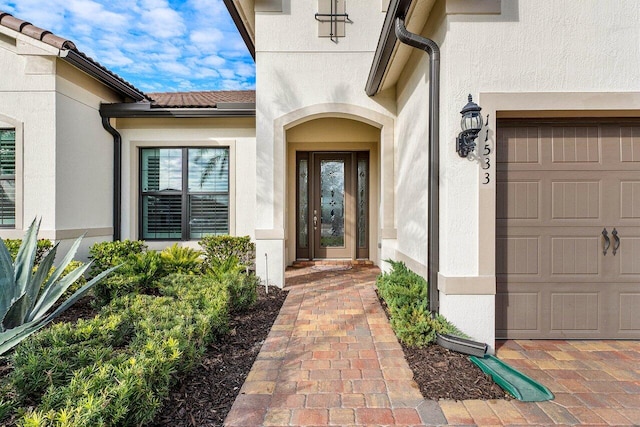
{"x":471,"y":124}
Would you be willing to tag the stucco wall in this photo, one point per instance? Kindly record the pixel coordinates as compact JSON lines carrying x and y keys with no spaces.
{"x":236,"y":133}
{"x":27,"y":103}
{"x":534,"y":46}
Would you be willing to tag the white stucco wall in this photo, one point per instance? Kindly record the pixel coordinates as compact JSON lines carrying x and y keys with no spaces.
{"x":27,"y":102}
{"x":298,"y":71}
{"x":533,"y":46}
{"x":236,"y":133}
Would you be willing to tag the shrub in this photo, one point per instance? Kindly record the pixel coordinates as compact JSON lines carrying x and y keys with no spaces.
{"x":137,"y":275}
{"x":27,"y":297}
{"x":242,"y":287}
{"x":139,"y":343}
{"x":183,"y":260}
{"x":44,"y":246}
{"x":108,"y":254}
{"x":405,"y":294}
{"x":219,"y":248}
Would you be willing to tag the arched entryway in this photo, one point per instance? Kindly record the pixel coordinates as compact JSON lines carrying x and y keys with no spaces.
{"x":333,"y":189}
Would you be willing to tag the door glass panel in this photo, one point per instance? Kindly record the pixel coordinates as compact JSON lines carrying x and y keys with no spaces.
{"x":332,"y":203}
{"x":362,"y":203}
{"x":303,"y":204}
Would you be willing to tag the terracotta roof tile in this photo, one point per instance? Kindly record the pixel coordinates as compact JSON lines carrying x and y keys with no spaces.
{"x":204,"y":99}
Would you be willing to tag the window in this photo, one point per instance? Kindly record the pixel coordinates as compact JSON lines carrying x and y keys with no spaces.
{"x":184,"y":193}
{"x":7,"y":177}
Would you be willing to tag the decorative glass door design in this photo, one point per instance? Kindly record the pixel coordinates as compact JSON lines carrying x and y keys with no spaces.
{"x":332,"y":205}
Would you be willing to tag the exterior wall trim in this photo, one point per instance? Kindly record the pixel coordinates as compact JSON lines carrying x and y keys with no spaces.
{"x":134,"y":176}
{"x":463,"y":285}
{"x":415,"y":266}
{"x":337,"y":110}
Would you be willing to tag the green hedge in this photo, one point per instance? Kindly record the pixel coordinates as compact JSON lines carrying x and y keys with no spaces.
{"x":219,"y":248}
{"x":109,"y":254}
{"x":406,"y":296}
{"x":115,"y":369}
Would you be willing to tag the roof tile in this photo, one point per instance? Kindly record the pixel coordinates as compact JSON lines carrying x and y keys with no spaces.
{"x":203,"y":99}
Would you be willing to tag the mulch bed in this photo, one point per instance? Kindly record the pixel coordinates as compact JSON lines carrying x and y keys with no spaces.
{"x":205,"y":396}
{"x":444,"y":374}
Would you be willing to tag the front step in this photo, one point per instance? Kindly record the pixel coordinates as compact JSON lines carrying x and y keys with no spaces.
{"x":337,"y":262}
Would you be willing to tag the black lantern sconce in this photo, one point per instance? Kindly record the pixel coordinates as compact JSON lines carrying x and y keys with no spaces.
{"x":471,"y":124}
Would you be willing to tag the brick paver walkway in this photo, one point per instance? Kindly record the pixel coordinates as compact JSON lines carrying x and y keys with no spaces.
{"x":331,"y":358}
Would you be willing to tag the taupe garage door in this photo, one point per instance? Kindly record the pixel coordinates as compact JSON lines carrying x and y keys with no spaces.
{"x":568,"y":229}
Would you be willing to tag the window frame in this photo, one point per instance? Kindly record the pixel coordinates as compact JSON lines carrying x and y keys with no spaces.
{"x":12,"y":177}
{"x":185,"y":227}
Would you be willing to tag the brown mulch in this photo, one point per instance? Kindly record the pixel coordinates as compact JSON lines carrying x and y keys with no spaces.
{"x":445,"y":374}
{"x":205,"y":396}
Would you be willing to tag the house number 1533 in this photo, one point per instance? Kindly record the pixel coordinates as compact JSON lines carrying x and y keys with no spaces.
{"x":486,"y":160}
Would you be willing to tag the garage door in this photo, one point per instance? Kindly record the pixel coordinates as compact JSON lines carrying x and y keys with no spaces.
{"x":568,"y":229}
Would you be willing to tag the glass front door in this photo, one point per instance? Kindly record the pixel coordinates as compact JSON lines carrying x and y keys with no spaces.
{"x":332,"y":205}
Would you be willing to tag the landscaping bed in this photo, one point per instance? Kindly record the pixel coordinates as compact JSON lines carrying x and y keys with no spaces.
{"x":205,"y":395}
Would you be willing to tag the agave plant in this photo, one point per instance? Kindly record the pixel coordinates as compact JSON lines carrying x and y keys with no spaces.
{"x":26,"y":296}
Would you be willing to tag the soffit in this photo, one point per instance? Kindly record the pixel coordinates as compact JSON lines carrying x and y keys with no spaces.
{"x":414,"y":21}
{"x":245,"y":9}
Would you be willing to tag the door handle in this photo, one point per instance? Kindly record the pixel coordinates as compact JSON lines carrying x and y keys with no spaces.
{"x":315,"y":219}
{"x":607,"y":242}
{"x":616,"y":241}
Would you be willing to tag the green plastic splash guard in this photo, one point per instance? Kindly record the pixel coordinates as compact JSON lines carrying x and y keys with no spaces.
{"x":511,"y":380}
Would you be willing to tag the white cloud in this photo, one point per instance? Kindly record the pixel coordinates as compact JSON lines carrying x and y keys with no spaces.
{"x":157,"y":45}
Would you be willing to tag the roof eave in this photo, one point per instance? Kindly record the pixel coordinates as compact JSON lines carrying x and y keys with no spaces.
{"x":146,"y":110}
{"x":242,"y":27}
{"x":391,"y":55}
{"x":91,"y":68}
{"x":386,"y":45}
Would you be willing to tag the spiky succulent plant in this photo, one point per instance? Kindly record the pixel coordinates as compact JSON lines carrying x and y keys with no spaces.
{"x":27,"y":296}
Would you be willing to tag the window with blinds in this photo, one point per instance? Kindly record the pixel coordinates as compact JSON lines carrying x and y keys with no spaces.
{"x":184,"y":193}
{"x":7,"y":177}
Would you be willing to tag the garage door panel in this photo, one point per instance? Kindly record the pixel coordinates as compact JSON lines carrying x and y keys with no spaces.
{"x":521,"y":201}
{"x":629,"y":144}
{"x":575,"y":144}
{"x":517,"y":256}
{"x":575,"y":256}
{"x":630,"y":199}
{"x":629,"y":256}
{"x":519,"y":145}
{"x":629,"y":305}
{"x":517,"y":311}
{"x":575,"y":199}
{"x":574,"y":311}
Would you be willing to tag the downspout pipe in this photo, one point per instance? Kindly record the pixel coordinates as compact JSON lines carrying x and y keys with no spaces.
{"x":117,"y":176}
{"x":433,"y":207}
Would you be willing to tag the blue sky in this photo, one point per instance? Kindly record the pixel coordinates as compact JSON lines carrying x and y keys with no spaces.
{"x":157,"y":45}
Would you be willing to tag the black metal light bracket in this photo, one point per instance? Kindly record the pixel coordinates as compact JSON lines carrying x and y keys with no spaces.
{"x":466,"y":142}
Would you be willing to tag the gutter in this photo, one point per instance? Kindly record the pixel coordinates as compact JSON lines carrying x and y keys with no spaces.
{"x":237,"y":19}
{"x":85,"y":64}
{"x":117,"y":176}
{"x":145,"y":109}
{"x":394,"y":29}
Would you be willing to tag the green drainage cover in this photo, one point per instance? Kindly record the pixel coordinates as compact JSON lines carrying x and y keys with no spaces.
{"x":519,"y":385}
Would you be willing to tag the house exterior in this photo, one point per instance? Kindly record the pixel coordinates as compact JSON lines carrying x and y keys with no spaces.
{"x":347,"y":150}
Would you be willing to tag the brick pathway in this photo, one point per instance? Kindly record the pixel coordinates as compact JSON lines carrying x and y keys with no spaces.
{"x":332,"y":359}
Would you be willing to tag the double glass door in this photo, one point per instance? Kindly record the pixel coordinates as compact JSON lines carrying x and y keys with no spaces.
{"x":332,"y":205}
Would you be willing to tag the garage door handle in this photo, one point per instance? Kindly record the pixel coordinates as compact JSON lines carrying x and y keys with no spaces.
{"x":607,"y":242}
{"x":616,"y":241}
